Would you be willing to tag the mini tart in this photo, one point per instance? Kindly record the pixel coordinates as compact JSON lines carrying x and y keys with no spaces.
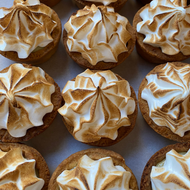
{"x":101,"y":65}
{"x":162,"y":130}
{"x":31,"y":153}
{"x":122,"y":131}
{"x":116,"y":5}
{"x":50,"y":3}
{"x":150,"y":53}
{"x":56,"y":100}
{"x":158,"y":157}
{"x":42,"y":55}
{"x":95,"y":154}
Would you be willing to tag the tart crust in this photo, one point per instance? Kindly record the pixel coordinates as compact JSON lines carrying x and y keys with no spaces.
{"x":150,"y":53}
{"x":95,"y":154}
{"x":31,"y":153}
{"x":101,"y":65}
{"x":116,"y":5}
{"x":56,"y":100}
{"x":122,"y":131}
{"x":158,"y":157}
{"x":43,"y":54}
{"x":50,"y":3}
{"x":162,"y":130}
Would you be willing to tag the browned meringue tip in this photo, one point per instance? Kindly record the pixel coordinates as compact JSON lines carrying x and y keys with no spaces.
{"x":95,"y":154}
{"x":118,"y":5}
{"x":31,"y":153}
{"x":50,"y":3}
{"x":158,"y":157}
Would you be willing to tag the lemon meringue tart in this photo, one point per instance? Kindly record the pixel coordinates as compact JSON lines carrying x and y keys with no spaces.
{"x":93,"y":169}
{"x":164,"y":97}
{"x":163,"y":31}
{"x":100,"y":108}
{"x":168,"y":169}
{"x":29,"y":99}
{"x":50,"y":3}
{"x":22,"y":167}
{"x":29,"y":32}
{"x":98,"y":38}
{"x":116,"y":4}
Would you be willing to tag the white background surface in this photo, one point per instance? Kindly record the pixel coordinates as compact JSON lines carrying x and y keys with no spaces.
{"x":56,"y":144}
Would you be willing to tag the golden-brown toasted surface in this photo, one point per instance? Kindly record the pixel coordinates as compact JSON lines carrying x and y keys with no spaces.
{"x":122,"y":131}
{"x":56,"y":100}
{"x":158,"y":157}
{"x":50,"y":3}
{"x":162,"y":130}
{"x":77,"y":57}
{"x":116,"y":5}
{"x":150,"y":53}
{"x":31,"y":153}
{"x":43,"y":54}
{"x":95,"y":154}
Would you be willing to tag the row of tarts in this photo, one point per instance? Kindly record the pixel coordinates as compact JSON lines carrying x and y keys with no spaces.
{"x":100,"y":108}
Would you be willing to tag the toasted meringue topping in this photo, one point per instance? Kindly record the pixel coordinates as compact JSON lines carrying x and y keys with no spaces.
{"x":25,"y":26}
{"x":25,"y":97}
{"x":174,"y":174}
{"x":97,"y":105}
{"x":98,"y":33}
{"x":104,"y":2}
{"x":18,"y":173}
{"x":168,"y":95}
{"x":165,"y":24}
{"x":94,"y":175}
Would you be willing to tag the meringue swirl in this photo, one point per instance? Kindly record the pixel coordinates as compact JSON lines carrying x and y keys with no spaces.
{"x":25,"y":97}
{"x":98,"y":33}
{"x":104,"y":2}
{"x":97,"y":105}
{"x":165,"y":24}
{"x":168,"y":94}
{"x":174,"y":174}
{"x":25,"y":26}
{"x":95,"y":175}
{"x":16,"y":172}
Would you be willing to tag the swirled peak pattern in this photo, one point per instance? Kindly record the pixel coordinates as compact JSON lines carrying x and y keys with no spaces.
{"x":95,"y":175}
{"x":104,"y":2}
{"x":165,"y":24}
{"x":17,"y":172}
{"x":97,"y":105}
{"x":25,"y":97}
{"x":174,"y":174}
{"x":168,"y":95}
{"x":25,"y":26}
{"x":98,"y":33}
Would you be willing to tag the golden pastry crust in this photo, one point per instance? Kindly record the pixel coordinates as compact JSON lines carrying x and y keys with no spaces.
{"x":101,"y":65}
{"x":95,"y":154}
{"x":43,"y":54}
{"x":122,"y":131}
{"x":150,"y":53}
{"x":116,"y":5}
{"x":162,"y":130}
{"x":31,"y":153}
{"x":50,"y":3}
{"x":158,"y":157}
{"x":56,"y":99}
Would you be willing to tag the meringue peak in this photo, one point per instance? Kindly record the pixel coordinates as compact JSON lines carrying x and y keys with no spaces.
{"x":97,"y":105}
